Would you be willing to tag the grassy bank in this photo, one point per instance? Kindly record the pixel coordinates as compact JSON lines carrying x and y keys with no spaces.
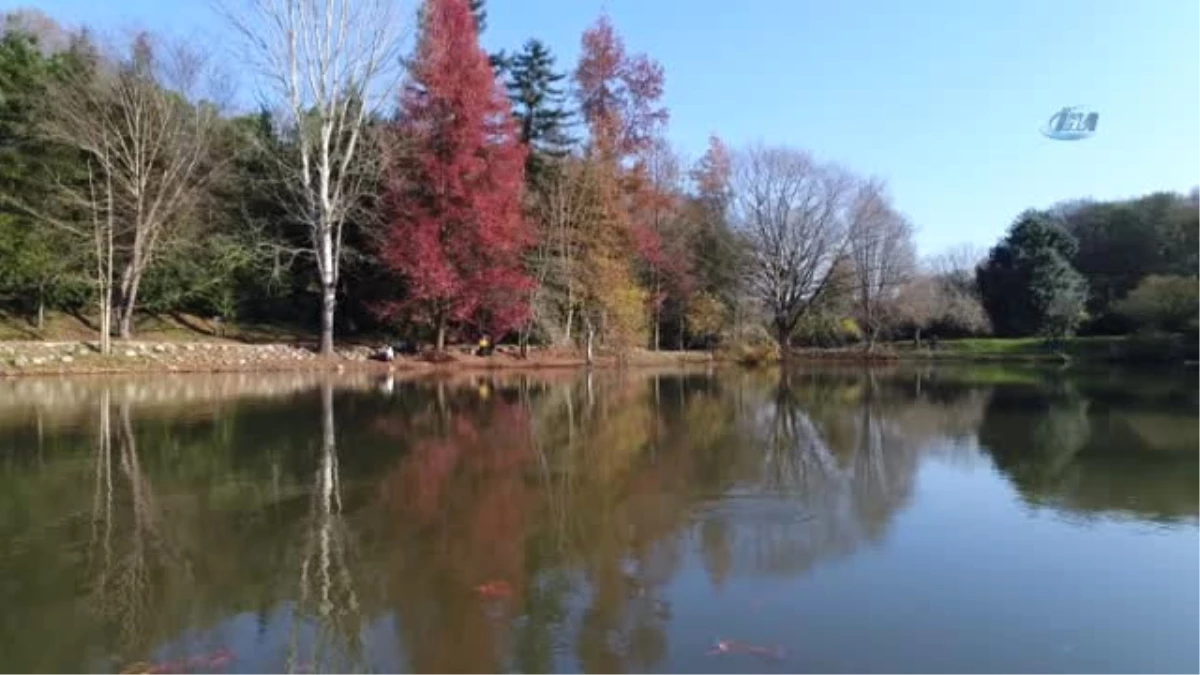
{"x":1162,"y":349}
{"x":64,"y":327}
{"x":1122,"y":349}
{"x":1022,"y":349}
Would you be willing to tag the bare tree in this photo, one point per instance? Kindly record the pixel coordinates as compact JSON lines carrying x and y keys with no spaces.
{"x":956,"y":266}
{"x":792,"y":212}
{"x":139,"y":119}
{"x":920,"y":303}
{"x":102,"y":238}
{"x":931,"y":299}
{"x":882,"y":253}
{"x":562,"y":204}
{"x":328,"y":65}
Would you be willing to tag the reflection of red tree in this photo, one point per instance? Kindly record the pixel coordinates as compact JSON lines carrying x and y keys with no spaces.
{"x":608,"y":498}
{"x":461,"y":504}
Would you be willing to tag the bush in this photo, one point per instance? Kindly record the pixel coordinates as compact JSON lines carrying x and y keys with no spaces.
{"x":751,"y":347}
{"x":1162,"y":302}
{"x":826,"y":330}
{"x":706,"y":318}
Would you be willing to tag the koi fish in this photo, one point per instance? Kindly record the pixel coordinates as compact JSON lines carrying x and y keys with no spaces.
{"x":735,"y":647}
{"x":494,"y":589}
{"x":216,"y":660}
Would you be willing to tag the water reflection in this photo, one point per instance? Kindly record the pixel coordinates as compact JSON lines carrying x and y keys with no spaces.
{"x":135,"y":558}
{"x":510,"y":523}
{"x":326,"y":632}
{"x":1097,"y":450}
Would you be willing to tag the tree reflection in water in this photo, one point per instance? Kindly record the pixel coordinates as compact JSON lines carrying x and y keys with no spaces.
{"x":326,"y":600}
{"x":134,"y":554}
{"x":584,"y":497}
{"x":515,"y":523}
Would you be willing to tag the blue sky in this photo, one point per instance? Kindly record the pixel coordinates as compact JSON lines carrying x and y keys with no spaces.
{"x":943,"y":98}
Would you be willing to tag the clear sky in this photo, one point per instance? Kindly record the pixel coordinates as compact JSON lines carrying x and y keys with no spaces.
{"x":942,"y":98}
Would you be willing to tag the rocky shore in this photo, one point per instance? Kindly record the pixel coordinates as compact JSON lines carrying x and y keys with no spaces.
{"x":78,"y":357}
{"x":83,"y":357}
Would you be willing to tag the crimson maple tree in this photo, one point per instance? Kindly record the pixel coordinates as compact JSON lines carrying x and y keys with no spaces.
{"x":454,"y":192}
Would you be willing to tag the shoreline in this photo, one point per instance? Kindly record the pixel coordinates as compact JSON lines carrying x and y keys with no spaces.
{"x":68,"y":358}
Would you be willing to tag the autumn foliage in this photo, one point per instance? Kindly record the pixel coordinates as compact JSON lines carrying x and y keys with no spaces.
{"x":619,"y":101}
{"x":454,"y":190}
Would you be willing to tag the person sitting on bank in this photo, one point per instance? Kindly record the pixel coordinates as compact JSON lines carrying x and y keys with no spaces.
{"x":485,"y":347}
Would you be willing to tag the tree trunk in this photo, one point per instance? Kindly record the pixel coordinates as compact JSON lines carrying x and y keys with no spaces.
{"x":328,"y":307}
{"x":128,"y":306}
{"x":917,"y":337}
{"x":570,"y":320}
{"x":441,"y":334}
{"x":131,"y":281}
{"x":124,"y":322}
{"x":781,"y":336}
{"x":105,"y":302}
{"x":327,"y":272}
{"x":657,"y":328}
{"x":590,"y":333}
{"x":41,"y":312}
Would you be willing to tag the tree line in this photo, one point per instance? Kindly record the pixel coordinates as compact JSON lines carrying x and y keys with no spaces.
{"x":443,"y":193}
{"x":440,"y":192}
{"x":1098,"y":267}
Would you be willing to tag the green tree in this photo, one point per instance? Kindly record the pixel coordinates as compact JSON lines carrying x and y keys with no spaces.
{"x":1116,"y":247}
{"x":1028,"y":285}
{"x":1163,"y":302}
{"x":539,"y":104}
{"x":37,"y":262}
{"x":1122,"y":242}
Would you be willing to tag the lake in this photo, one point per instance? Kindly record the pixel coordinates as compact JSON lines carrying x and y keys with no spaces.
{"x":931,"y":519}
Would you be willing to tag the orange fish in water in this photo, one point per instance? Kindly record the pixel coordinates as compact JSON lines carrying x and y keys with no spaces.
{"x":735,"y":647}
{"x":220,"y":659}
{"x":216,"y":660}
{"x":494,"y":589}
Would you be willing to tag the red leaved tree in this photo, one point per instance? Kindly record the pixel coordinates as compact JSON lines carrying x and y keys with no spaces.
{"x":457,"y":232}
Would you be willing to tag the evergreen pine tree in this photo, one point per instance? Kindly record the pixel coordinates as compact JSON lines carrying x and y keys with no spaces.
{"x":480,"y":13}
{"x":539,"y":104}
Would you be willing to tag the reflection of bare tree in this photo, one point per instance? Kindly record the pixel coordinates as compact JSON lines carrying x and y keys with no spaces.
{"x":131,"y":554}
{"x":327,"y":595}
{"x":831,"y":451}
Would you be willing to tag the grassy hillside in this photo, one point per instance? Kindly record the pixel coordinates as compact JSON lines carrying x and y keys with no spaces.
{"x":151,"y":327}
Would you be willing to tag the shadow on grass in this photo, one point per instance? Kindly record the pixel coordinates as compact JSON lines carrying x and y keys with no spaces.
{"x":21,"y":327}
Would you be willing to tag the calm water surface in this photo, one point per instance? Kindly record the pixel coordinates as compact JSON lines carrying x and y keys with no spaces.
{"x":949,"y":519}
